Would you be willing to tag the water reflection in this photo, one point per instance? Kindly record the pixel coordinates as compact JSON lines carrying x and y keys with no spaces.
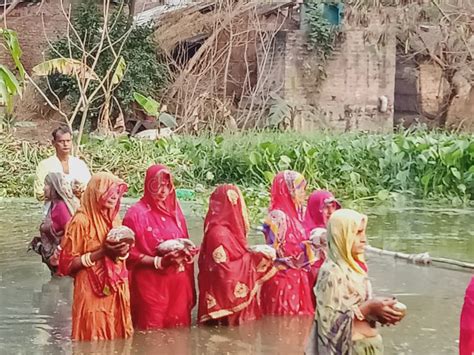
{"x":35,"y":310}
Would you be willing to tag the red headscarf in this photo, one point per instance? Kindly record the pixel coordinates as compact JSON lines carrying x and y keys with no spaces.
{"x":229,"y":275}
{"x":314,"y":217}
{"x":155,"y":222}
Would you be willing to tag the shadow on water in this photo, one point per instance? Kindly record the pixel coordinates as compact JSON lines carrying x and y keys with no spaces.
{"x":35,"y":310}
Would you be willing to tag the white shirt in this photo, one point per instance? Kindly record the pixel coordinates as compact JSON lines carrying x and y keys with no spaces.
{"x":78,"y":170}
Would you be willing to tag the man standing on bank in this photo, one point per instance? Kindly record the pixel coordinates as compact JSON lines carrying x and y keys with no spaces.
{"x":75,"y":170}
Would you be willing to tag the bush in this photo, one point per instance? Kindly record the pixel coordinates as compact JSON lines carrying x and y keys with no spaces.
{"x":146,"y":72}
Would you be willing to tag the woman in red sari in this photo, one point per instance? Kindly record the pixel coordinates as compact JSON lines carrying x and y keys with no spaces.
{"x":162,"y":295}
{"x":289,"y":292}
{"x":466,"y":338}
{"x":230,"y":276}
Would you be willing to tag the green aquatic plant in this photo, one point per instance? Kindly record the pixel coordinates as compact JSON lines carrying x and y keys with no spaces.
{"x":355,"y":166}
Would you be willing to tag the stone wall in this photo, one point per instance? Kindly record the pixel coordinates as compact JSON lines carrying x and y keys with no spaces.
{"x":358,"y":76}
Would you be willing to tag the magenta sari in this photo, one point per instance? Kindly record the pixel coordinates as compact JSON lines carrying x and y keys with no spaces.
{"x":314,"y":218}
{"x":289,"y":292}
{"x":159,"y":298}
{"x":466,"y":338}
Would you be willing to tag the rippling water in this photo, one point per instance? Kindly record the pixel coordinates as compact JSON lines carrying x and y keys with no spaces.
{"x":35,"y":310}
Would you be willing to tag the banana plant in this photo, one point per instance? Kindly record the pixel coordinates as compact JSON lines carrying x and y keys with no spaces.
{"x":152,"y":108}
{"x":10,"y":85}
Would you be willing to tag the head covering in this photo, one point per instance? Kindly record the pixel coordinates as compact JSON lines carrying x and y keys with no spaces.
{"x":285,"y":187}
{"x":227,"y":208}
{"x":98,"y":191}
{"x":63,"y":189}
{"x":343,"y":226}
{"x":314,"y":217}
{"x":342,"y":285}
{"x":156,"y":175}
{"x":88,"y":230}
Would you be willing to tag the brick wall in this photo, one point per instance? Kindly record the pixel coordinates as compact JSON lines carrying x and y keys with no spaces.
{"x":27,"y":21}
{"x":358,"y":74}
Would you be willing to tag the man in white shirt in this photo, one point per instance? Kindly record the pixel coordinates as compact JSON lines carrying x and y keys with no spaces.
{"x":74,"y":168}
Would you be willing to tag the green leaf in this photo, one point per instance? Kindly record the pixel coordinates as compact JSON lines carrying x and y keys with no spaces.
{"x":456,"y":173}
{"x":119,"y":71}
{"x":9,"y":87}
{"x":168,"y":120}
{"x":383,"y":195}
{"x":150,"y":106}
{"x":269,"y":176}
{"x":11,"y":39}
{"x":255,"y":158}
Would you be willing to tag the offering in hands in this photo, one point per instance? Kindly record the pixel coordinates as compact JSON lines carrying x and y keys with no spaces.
{"x":264,"y":249}
{"x":179,"y":244}
{"x":121,"y":234}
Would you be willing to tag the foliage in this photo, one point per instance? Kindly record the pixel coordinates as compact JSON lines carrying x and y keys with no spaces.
{"x":10,"y":86}
{"x":354,"y":165}
{"x":321,"y":34}
{"x":144,"y":72}
{"x":152,"y":108}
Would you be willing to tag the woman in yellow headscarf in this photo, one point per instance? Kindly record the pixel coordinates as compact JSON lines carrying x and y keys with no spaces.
{"x":101,"y":303}
{"x":346,"y":313}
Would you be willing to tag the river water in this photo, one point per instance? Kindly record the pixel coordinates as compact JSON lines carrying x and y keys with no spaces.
{"x":35,"y":310}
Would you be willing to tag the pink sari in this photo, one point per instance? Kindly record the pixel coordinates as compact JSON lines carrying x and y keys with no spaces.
{"x":466,"y":338}
{"x":159,"y":298}
{"x":289,"y":292}
{"x":314,"y":218}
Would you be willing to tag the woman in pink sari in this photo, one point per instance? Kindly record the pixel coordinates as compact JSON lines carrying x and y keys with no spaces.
{"x":289,"y":292}
{"x":62,"y":206}
{"x":230,"y":276}
{"x":466,"y":338}
{"x":321,"y":205}
{"x":162,"y":294}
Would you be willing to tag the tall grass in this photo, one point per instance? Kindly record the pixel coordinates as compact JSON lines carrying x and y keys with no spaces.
{"x":353,"y":165}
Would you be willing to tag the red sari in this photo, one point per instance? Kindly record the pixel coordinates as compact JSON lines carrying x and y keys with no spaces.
{"x":159,"y":298}
{"x":290,"y":291}
{"x":466,"y":338}
{"x":230,"y":277}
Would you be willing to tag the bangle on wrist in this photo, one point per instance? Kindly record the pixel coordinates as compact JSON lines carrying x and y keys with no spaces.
{"x":157,"y":263}
{"x":125,"y":257}
{"x":86,"y":260}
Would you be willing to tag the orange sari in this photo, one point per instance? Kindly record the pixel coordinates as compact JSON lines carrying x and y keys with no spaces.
{"x":101,"y":302}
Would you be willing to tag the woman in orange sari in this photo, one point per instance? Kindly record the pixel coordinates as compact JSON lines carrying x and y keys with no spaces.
{"x":101,"y":302}
{"x":230,"y":276}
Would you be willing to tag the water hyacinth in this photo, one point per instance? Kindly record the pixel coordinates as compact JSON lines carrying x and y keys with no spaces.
{"x":354,"y":166}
